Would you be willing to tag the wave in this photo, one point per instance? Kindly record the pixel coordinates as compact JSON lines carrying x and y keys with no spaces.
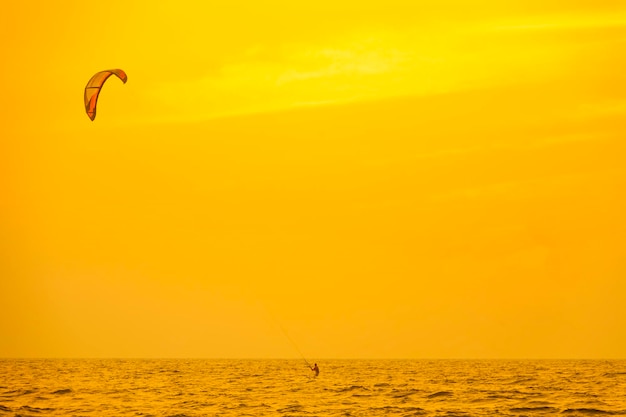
{"x":496,"y":397}
{"x":613,"y":374}
{"x":440,"y":394}
{"x":18,"y":392}
{"x":546,"y":409}
{"x":414,"y":411}
{"x":291,"y":409}
{"x":62,"y":391}
{"x":590,"y":411}
{"x":353,"y":388}
{"x":396,"y":410}
{"x":35,"y":409}
{"x":404,"y":394}
{"x":521,"y":381}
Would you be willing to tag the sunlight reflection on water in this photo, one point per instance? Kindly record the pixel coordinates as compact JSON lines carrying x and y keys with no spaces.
{"x":93,"y":387}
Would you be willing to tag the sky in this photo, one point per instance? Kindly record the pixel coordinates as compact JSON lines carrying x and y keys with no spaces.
{"x":328,"y":179}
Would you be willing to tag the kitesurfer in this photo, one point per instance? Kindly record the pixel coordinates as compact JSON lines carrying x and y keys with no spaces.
{"x":315,"y":369}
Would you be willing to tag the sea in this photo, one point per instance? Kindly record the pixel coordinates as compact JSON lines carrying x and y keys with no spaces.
{"x":198,"y":387}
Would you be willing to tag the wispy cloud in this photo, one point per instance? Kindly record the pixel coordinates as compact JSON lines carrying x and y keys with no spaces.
{"x":378,"y":63}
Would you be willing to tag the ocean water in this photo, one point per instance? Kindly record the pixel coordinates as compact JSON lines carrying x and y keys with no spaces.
{"x":125,"y":387}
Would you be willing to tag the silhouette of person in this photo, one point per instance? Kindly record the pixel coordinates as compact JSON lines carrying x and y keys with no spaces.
{"x":315,"y":369}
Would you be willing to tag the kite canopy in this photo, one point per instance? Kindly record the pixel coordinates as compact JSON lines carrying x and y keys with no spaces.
{"x":92,"y":90}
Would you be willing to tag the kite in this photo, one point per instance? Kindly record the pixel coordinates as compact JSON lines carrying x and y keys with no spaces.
{"x":92,"y":90}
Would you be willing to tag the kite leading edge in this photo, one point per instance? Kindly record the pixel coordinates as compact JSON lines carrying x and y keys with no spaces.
{"x":92,"y":90}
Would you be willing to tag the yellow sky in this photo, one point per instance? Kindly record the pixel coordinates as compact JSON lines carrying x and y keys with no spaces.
{"x":411,"y":179}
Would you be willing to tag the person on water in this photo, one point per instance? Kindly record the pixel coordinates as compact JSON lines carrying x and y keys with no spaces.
{"x":315,"y":369}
